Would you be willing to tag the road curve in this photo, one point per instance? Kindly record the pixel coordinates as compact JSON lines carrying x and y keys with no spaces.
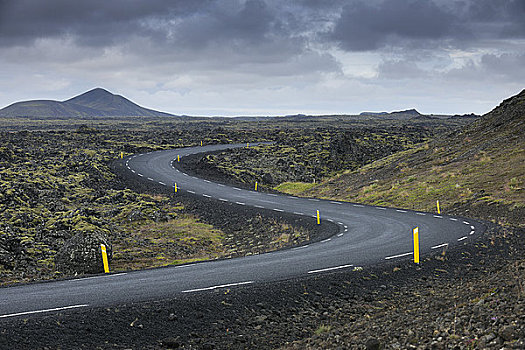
{"x":367,"y":235}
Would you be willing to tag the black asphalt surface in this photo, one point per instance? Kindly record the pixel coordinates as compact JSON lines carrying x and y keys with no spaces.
{"x":367,"y":235}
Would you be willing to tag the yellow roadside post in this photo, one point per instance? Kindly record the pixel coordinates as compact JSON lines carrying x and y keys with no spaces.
{"x":121,"y":155}
{"x":201,"y":143}
{"x":175,"y":187}
{"x":318,"y":218}
{"x":104,"y":258}
{"x":437,"y":204}
{"x":256,"y":185}
{"x":178,"y":158}
{"x":247,"y":145}
{"x":416,"y":245}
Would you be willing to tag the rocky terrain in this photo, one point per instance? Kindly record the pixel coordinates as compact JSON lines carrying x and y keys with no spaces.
{"x":469,"y":297}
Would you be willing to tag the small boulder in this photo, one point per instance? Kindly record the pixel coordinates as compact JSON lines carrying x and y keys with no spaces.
{"x":81,"y":253}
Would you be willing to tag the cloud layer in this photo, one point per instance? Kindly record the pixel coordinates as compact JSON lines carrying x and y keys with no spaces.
{"x":267,"y":57}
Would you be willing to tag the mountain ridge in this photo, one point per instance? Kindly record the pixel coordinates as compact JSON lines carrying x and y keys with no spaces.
{"x":94,"y":103}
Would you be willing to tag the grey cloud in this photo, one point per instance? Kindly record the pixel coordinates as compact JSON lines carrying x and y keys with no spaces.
{"x":94,"y":22}
{"x":400,"y":70}
{"x":364,"y":26}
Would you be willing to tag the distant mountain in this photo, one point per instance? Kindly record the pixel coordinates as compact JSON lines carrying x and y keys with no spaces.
{"x":409,"y":113}
{"x":92,"y":104}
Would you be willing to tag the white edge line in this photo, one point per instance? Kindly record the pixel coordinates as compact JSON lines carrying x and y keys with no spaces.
{"x":224,"y":200}
{"x":462,"y":238}
{"x":438,"y":216}
{"x":45,"y":310}
{"x":259,"y":206}
{"x":215,"y":287}
{"x":336,"y":202}
{"x":301,"y":247}
{"x":466,"y":222}
{"x":326,"y":240}
{"x":398,"y":256}
{"x":330,"y":268}
{"x":439,"y":246}
{"x":298,"y":213}
{"x":206,"y":195}
{"x":192,"y":192}
{"x":471,"y":232}
{"x":240,"y":203}
{"x":453,"y":219}
{"x":340,"y":234}
{"x":401,"y":211}
{"x":357,"y":205}
{"x":279,"y":210}
{"x":162,"y":183}
{"x":420,"y":213}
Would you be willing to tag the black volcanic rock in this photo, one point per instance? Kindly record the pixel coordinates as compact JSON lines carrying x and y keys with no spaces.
{"x":94,"y":103}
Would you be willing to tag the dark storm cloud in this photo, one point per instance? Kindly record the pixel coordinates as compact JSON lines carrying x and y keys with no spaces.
{"x":93,"y":22}
{"x":352,"y":25}
{"x":369,"y":25}
{"x":366,"y":26}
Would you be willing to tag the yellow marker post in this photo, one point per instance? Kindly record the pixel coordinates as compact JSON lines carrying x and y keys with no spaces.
{"x":178,"y":158}
{"x":121,"y":155}
{"x":256,"y":185}
{"x":201,"y":143}
{"x":175,"y":187}
{"x":104,"y":258}
{"x":437,"y":204}
{"x":416,"y":245}
{"x":247,"y":145}
{"x":318,"y":218}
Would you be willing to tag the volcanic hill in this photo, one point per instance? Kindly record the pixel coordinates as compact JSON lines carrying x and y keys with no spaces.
{"x":92,"y":104}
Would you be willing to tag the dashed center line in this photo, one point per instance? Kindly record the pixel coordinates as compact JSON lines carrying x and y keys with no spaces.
{"x":462,"y":238}
{"x":471,"y":232}
{"x":422,"y":214}
{"x":357,"y":205}
{"x":326,"y":240}
{"x":313,"y":199}
{"x":206,"y":195}
{"x":438,"y":216}
{"x":298,"y":213}
{"x":162,"y":183}
{"x":240,"y":203}
{"x":149,"y":178}
{"x":401,"y":211}
{"x":453,"y":219}
{"x":192,"y":192}
{"x":279,"y":210}
{"x":340,"y":234}
{"x":140,"y":175}
{"x":336,"y":202}
{"x":224,"y":200}
{"x":271,"y":194}
{"x":237,"y":189}
{"x":466,"y":222}
{"x":380,"y":208}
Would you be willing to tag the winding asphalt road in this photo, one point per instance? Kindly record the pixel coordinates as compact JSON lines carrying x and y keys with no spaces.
{"x":367,"y":235}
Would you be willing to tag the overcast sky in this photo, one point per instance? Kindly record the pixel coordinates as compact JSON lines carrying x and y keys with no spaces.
{"x":267,"y":57}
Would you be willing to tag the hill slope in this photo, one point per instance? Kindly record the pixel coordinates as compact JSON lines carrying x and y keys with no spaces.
{"x":478,"y":171}
{"x":94,"y":103}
